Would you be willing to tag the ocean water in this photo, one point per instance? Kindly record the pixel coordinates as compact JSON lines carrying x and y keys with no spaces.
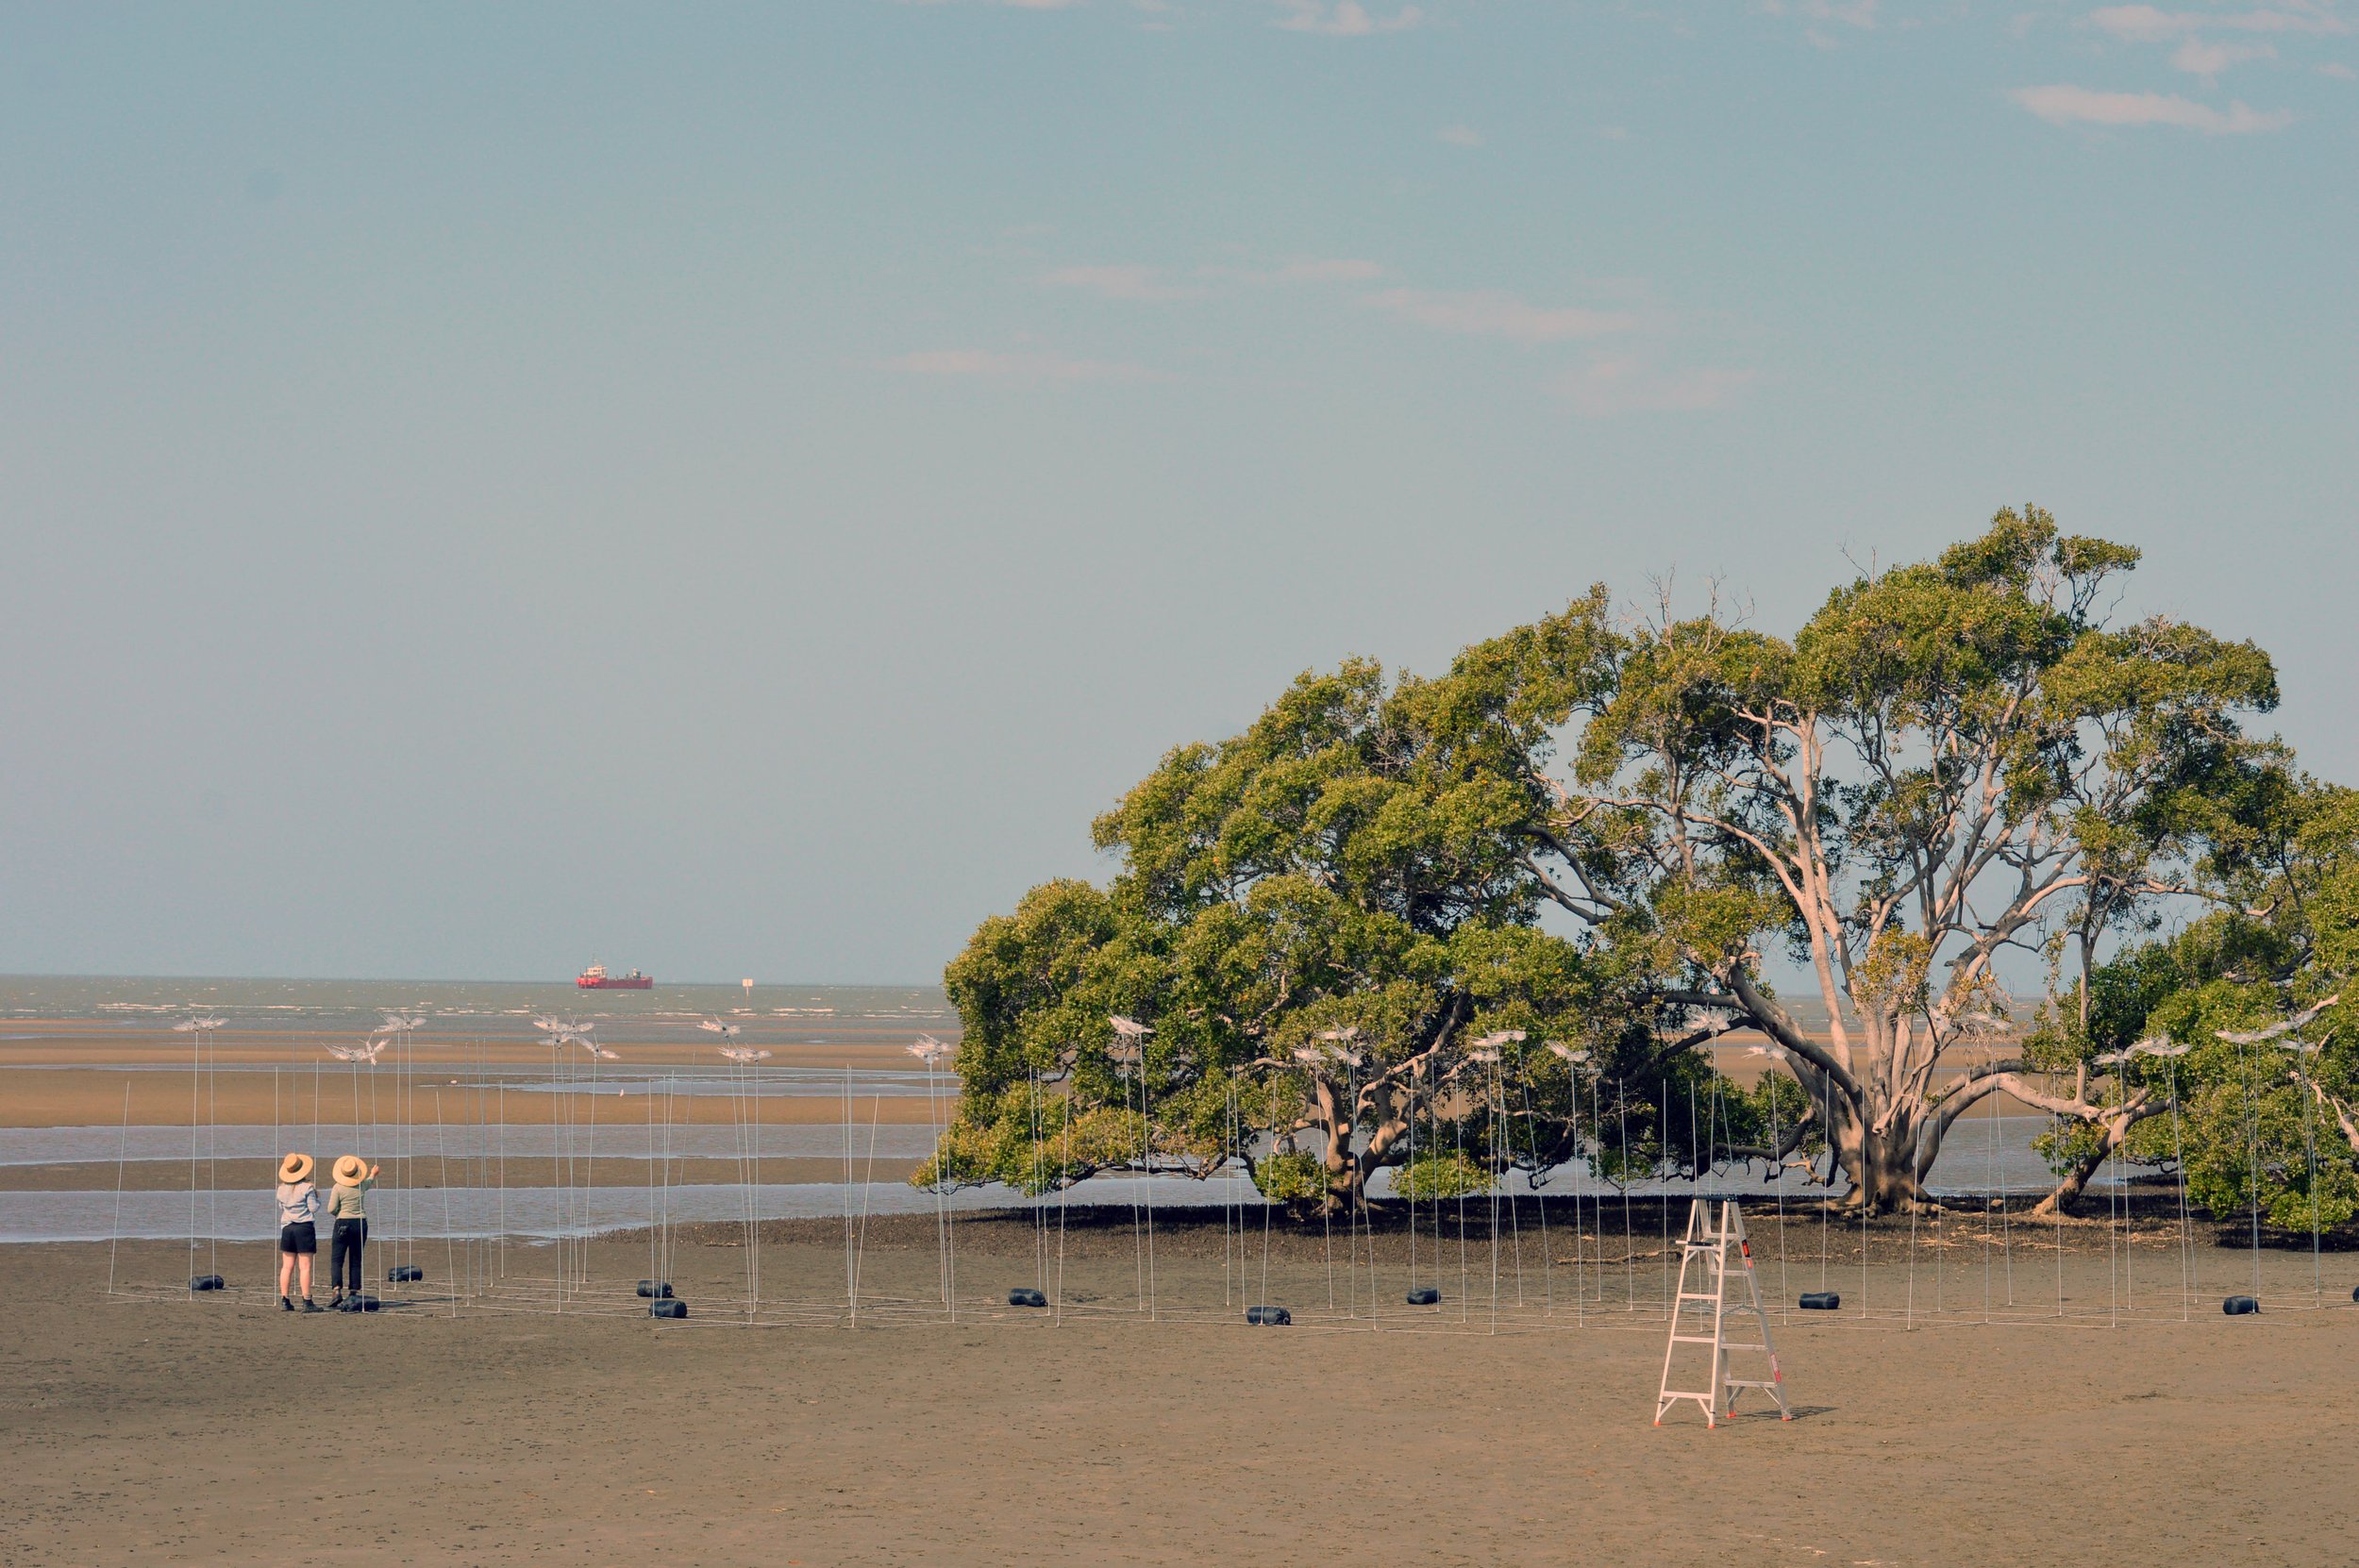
{"x":1997,"y":1159}
{"x":354,"y":1006}
{"x":1993,"y":1155}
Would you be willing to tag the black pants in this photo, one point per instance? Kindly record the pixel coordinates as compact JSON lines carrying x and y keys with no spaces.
{"x":351,"y":1236}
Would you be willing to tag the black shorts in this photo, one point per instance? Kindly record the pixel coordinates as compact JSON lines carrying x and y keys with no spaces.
{"x":303,"y":1238}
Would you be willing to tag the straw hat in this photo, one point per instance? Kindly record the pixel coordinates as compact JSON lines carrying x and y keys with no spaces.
{"x":351,"y":1170}
{"x":295,"y":1167}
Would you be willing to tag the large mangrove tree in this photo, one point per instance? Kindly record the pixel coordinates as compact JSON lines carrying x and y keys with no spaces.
{"x":1490,"y":917}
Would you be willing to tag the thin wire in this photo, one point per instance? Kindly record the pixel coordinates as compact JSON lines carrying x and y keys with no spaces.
{"x":2055,"y":1129}
{"x":1064,"y":1185}
{"x":1415,"y":1072}
{"x":2179,"y":1159}
{"x":2309,"y":1157}
{"x":1146,"y":1128}
{"x":2252,"y":1134}
{"x":123,"y":1138}
{"x":1458,"y":1161}
{"x":1777,"y":1178}
{"x":1547,"y":1252}
{"x":1630,"y":1234}
{"x":196,"y":1100}
{"x":851,"y":1289}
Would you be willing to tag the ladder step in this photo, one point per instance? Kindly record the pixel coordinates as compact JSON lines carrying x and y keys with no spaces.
{"x":1750,"y":1383}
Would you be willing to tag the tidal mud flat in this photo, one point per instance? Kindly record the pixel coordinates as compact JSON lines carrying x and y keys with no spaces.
{"x":501,"y":1429}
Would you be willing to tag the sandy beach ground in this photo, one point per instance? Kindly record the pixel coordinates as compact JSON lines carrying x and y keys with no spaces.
{"x":2002,"y":1393}
{"x":76,"y":1073}
{"x":159,"y":1428}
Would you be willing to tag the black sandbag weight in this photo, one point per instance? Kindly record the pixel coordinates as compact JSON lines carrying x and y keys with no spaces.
{"x":669,"y":1307}
{"x":404,"y":1273}
{"x":208,"y":1283}
{"x":1425,"y":1296}
{"x":655,"y":1290}
{"x":2238,"y":1306}
{"x":1024,"y":1295}
{"x":1821,"y":1301}
{"x":1268,"y":1317}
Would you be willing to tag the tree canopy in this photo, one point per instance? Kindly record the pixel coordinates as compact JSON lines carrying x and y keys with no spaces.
{"x":1502,"y":907}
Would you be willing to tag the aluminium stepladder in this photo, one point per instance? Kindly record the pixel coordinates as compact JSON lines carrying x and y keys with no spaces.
{"x":1706,"y":1247}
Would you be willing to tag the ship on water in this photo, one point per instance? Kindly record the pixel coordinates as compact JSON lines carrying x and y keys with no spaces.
{"x":596,"y":978}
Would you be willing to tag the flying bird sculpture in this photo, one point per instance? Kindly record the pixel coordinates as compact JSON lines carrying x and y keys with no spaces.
{"x":357,"y":1053}
{"x":2297,"y":1021}
{"x":2154,"y":1046}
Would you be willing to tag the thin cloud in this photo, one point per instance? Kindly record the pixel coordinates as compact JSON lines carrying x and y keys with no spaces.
{"x":1460,"y":136}
{"x":1302,"y":269}
{"x":2340,"y":72}
{"x":1604,"y":387}
{"x":1491,"y":314}
{"x":1328,"y":270}
{"x":1146,"y":285}
{"x":2065,"y":104}
{"x":2200,"y":58}
{"x":1855,"y":13}
{"x":982,"y":365}
{"x":1345,"y":19}
{"x":2152,"y":24}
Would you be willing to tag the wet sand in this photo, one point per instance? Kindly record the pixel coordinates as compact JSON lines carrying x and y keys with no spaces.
{"x":76,"y":1073}
{"x":157,"y":1427}
{"x":250,"y":1182}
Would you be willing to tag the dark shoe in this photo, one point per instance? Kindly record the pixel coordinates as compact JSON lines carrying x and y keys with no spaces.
{"x":285,"y":1305}
{"x":336,"y":1302}
{"x":310,"y":1306}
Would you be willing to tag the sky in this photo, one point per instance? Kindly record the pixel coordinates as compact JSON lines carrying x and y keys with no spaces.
{"x":733,"y":491}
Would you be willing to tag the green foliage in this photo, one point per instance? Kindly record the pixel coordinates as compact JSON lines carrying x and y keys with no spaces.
{"x":2259,"y":1121}
{"x":1289,"y":1177}
{"x":1352,"y":876}
{"x":1434,"y":1177}
{"x":2258,"y":1140}
{"x":1319,"y":916}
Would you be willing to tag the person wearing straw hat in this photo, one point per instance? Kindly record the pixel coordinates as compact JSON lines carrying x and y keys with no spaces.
{"x":299,"y":1205}
{"x":348,"y":1206}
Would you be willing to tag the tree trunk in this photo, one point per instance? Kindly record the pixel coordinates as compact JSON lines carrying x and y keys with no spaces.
{"x":2113,"y":1131}
{"x":1882,"y":1166}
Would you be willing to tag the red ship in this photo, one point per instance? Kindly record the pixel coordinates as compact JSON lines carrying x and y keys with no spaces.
{"x":596,"y":978}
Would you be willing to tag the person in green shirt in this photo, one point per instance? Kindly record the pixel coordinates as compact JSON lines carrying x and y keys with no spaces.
{"x":347,"y":1205}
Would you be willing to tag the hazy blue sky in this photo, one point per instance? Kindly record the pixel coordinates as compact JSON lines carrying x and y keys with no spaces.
{"x":733,"y":491}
